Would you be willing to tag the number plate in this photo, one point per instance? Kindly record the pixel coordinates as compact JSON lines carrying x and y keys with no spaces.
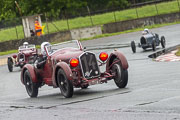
{"x":94,"y":82}
{"x":89,"y":66}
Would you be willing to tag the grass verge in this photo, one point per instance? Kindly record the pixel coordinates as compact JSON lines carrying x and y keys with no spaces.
{"x":178,"y":52}
{"x":8,"y":52}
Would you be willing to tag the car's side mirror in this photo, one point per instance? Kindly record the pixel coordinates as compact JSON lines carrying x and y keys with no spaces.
{"x":84,"y":48}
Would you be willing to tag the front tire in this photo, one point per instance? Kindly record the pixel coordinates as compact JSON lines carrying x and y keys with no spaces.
{"x":133,"y":46}
{"x":10,"y":64}
{"x":64,"y":84}
{"x":31,"y":87}
{"x":163,"y":42}
{"x":121,"y":75}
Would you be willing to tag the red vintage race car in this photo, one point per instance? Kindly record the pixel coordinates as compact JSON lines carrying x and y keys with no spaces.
{"x":68,"y":66}
{"x":26,"y":54}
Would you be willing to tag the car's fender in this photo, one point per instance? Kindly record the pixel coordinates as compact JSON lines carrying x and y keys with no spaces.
{"x":120,"y":56}
{"x":31,"y":70}
{"x":67,"y":70}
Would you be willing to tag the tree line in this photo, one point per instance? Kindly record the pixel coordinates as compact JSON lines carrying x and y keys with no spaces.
{"x":59,"y":8}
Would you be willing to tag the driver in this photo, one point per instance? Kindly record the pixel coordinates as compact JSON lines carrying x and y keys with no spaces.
{"x":25,"y":44}
{"x":40,"y":62}
{"x":43,"y":52}
{"x":146,"y":31}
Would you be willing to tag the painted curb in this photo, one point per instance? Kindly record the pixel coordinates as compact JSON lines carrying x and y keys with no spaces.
{"x":3,"y":61}
{"x":164,"y":51}
{"x":170,"y":57}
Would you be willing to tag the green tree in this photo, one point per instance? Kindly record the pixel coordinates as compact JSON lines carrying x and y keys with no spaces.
{"x":7,"y":9}
{"x":55,"y":8}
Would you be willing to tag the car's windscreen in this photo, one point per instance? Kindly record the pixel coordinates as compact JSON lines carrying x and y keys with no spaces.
{"x":70,"y":44}
{"x":26,"y":47}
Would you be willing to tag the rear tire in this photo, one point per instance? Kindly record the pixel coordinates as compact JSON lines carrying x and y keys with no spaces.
{"x":163,"y":42}
{"x":64,"y":84}
{"x":121,"y":75}
{"x":154,"y":45}
{"x":133,"y":46}
{"x":31,"y":87}
{"x":10,"y":64}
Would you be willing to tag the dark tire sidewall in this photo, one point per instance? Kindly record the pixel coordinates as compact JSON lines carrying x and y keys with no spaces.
{"x":61,"y":77}
{"x":10,"y":64}
{"x":163,"y":42}
{"x":34,"y":86}
{"x":133,"y":46}
{"x":121,"y":79}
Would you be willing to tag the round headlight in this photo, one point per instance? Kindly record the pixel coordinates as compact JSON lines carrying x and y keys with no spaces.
{"x":103,"y":56}
{"x":74,"y":62}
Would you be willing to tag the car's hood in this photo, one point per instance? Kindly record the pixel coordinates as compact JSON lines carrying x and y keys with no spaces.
{"x":66,"y":54}
{"x":148,"y":36}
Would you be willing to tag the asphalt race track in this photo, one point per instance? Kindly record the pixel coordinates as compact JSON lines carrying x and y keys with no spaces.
{"x":153,"y":91}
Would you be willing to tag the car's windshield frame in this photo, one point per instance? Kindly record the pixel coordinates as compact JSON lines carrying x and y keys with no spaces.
{"x":27,"y":47}
{"x":50,"y":50}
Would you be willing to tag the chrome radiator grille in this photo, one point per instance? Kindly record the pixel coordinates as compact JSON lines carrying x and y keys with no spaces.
{"x":89,"y":65}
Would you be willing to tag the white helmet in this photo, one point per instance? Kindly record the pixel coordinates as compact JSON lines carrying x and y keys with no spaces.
{"x":146,"y":31}
{"x":43,"y":52}
{"x":25,"y":43}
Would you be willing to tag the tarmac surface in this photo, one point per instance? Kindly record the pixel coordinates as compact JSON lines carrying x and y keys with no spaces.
{"x":152,"y":93}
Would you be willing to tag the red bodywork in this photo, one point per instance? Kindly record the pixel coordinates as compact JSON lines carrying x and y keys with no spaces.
{"x":61,"y":60}
{"x":24,"y":56}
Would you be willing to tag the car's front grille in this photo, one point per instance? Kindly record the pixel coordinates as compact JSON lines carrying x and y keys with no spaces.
{"x":143,"y":40}
{"x":89,"y":66}
{"x":21,"y":57}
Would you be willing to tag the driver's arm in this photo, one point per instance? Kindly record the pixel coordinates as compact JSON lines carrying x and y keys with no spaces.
{"x":40,"y":62}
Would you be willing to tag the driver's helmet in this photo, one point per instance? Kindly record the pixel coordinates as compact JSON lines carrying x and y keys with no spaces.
{"x":146,"y":31}
{"x":25,"y":44}
{"x":43,"y":52}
